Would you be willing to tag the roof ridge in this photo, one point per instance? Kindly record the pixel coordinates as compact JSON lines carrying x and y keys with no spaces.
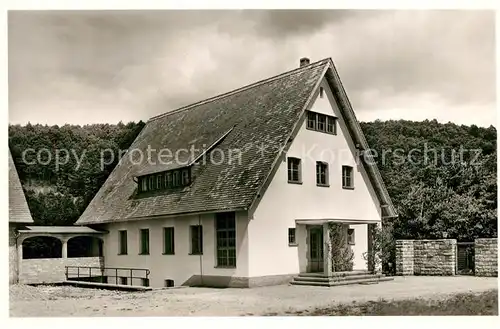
{"x":237,"y":90}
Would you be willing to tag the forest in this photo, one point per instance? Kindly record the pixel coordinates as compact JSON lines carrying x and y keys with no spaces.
{"x":445,"y":187}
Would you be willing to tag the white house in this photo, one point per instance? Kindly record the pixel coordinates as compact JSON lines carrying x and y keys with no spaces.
{"x":237,"y":190}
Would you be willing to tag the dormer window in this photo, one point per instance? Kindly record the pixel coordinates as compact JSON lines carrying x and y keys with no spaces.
{"x":165,"y":180}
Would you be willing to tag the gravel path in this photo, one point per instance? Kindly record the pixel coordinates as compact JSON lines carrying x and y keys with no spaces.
{"x":71,"y":301}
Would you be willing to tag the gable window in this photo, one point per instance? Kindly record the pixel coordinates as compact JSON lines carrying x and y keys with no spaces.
{"x":294,"y":168}
{"x":321,"y":92}
{"x":144,"y":240}
{"x":321,"y":173}
{"x":225,"y":228}
{"x":196,"y":239}
{"x":347,"y":177}
{"x":292,"y":241}
{"x":168,"y":241}
{"x":311,"y":120}
{"x":331,"y":127}
{"x":321,"y":122}
{"x":350,"y":236}
{"x":122,"y":242}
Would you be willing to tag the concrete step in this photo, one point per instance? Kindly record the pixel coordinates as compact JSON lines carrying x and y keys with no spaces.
{"x":335,"y":274}
{"x":332,"y":282}
{"x":339,"y":278}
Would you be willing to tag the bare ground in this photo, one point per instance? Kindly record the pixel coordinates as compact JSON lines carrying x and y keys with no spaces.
{"x":275,"y":300}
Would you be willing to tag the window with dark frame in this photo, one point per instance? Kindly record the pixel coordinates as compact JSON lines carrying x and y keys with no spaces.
{"x":196,"y":239}
{"x":225,"y":228}
{"x":123,"y":280}
{"x":122,"y":242}
{"x":166,"y":180}
{"x":322,"y":123}
{"x":294,"y":175}
{"x":347,"y":177}
{"x":321,"y":173}
{"x":291,"y":236}
{"x":168,"y":241}
{"x":144,"y":237}
{"x":321,"y":92}
{"x":350,"y":236}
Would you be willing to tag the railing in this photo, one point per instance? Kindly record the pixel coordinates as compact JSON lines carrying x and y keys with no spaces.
{"x":83,"y":272}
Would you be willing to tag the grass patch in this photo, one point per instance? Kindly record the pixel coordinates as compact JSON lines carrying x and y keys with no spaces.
{"x":485,"y":303}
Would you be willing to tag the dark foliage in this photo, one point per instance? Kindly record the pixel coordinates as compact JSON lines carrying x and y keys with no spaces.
{"x":437,"y":194}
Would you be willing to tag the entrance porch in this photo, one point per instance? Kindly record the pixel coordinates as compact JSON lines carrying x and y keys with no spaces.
{"x":317,"y":255}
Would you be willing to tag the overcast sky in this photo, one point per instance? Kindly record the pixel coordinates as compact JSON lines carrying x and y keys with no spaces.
{"x":91,"y":67}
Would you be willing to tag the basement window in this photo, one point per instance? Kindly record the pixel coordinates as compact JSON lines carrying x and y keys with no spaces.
{"x":169,"y":283}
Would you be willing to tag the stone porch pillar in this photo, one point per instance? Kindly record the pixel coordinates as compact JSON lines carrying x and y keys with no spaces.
{"x":64,"y":248}
{"x":19,"y":259}
{"x":327,"y":250}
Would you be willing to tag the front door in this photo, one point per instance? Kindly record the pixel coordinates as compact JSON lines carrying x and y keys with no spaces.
{"x":315,"y":249}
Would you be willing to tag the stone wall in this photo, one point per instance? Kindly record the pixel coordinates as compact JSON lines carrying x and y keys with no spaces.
{"x":426,"y":257}
{"x":435,"y":257}
{"x":404,"y":257}
{"x":52,"y":270}
{"x":486,"y":261}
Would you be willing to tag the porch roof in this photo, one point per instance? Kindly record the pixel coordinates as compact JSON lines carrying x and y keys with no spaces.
{"x":335,"y":220}
{"x":61,"y":230}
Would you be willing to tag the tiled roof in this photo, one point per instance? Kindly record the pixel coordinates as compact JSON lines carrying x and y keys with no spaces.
{"x":18,"y":207}
{"x":255,"y":122}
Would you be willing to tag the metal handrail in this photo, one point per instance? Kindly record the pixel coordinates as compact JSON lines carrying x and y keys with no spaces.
{"x":104,"y":269}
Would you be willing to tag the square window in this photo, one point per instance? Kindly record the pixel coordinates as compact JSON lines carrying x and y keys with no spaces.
{"x":144,"y":237}
{"x":321,"y":173}
{"x":123,"y":280}
{"x":294,"y":174}
{"x":291,"y":236}
{"x":196,"y":240}
{"x":350,"y":236}
{"x":347,"y":177}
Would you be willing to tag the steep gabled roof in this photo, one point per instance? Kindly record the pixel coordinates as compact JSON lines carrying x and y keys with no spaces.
{"x":19,"y":211}
{"x":253,"y":124}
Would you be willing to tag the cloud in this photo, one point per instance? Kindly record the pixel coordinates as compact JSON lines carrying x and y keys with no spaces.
{"x":107,"y":66}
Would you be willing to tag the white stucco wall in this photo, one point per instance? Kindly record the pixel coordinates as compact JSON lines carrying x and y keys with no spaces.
{"x":283,"y":203}
{"x":181,"y":266}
